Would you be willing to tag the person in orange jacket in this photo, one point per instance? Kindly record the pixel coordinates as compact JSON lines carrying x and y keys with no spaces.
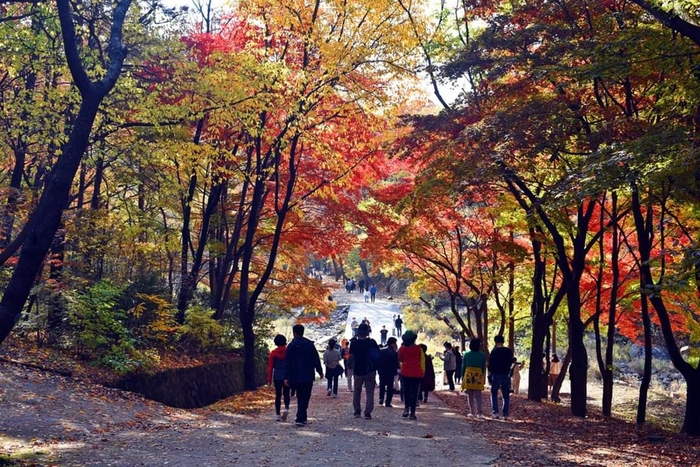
{"x":412,"y":368}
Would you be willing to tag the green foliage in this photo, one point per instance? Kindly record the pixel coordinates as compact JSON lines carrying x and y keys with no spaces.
{"x":201,"y":330}
{"x":101,"y":331}
{"x":96,"y":323}
{"x":153,"y":320}
{"x":431,"y":329}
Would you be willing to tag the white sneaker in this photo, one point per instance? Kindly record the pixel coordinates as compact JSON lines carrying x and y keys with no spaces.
{"x":495,"y":416}
{"x":470,"y":415}
{"x":480,"y":416}
{"x":278,"y":419}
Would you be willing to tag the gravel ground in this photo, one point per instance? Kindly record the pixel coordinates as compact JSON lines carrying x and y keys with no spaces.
{"x":56,"y":421}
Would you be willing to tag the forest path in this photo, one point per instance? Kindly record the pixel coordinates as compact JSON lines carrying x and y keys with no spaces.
{"x":61,"y":422}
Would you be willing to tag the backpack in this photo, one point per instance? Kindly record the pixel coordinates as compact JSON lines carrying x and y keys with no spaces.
{"x":373,"y":358}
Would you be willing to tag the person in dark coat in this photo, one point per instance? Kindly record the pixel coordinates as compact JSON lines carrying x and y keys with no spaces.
{"x":388,"y":369}
{"x":458,"y":356}
{"x":427,"y":384}
{"x":301,"y":360}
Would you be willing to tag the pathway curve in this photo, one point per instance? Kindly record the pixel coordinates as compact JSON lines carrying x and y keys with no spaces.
{"x":73,"y":424}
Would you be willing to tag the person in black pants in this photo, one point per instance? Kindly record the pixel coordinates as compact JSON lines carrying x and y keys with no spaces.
{"x":300,"y":362}
{"x":388,"y":368}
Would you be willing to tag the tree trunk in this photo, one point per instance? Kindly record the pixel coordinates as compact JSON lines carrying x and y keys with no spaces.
{"x":579,"y":358}
{"x":691,"y":422}
{"x":536,"y":387}
{"x":247,"y":320}
{"x":646,"y":378}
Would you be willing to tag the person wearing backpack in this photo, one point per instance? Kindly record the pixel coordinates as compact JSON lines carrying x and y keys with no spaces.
{"x":365,"y":352}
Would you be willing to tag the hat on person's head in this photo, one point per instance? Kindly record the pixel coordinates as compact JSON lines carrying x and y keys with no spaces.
{"x":409,"y":336}
{"x":363,"y":329}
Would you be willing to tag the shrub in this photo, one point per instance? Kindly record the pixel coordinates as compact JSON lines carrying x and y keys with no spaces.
{"x":201,"y":330}
{"x":96,"y":323}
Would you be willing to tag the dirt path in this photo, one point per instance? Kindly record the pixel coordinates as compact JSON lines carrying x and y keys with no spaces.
{"x":59,"y":422}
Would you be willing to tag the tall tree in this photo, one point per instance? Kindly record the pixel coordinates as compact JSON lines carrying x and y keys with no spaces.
{"x":45,"y":219}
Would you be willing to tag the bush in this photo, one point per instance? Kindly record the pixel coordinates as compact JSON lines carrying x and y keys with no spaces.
{"x":201,"y":330}
{"x":96,"y":324}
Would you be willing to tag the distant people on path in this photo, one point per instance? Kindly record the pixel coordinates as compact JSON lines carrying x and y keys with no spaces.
{"x":500,"y":361}
{"x":427,"y":384}
{"x":366,"y":296}
{"x":275,"y":373}
{"x":412,"y":367}
{"x":366,"y":354}
{"x":361,"y":284}
{"x":300,"y":362}
{"x":515,"y":376}
{"x":458,"y":364}
{"x":473,"y":377}
{"x":554,"y":370}
{"x":449,"y":364}
{"x":398,"y":324}
{"x":383,"y":333}
{"x":349,"y":362}
{"x":372,"y":292}
{"x":331,"y":359}
{"x":353,"y":325}
{"x":388,"y":368}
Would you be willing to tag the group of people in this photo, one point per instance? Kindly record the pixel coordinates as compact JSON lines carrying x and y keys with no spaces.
{"x":406,"y":368}
{"x":368,"y":290}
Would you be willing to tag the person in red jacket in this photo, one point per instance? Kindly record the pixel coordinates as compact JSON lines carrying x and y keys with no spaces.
{"x":412,"y":368}
{"x":276,"y":373}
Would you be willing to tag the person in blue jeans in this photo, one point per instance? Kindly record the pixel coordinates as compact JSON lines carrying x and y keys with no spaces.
{"x":499,"y":375}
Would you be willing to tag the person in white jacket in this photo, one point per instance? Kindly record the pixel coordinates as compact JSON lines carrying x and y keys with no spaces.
{"x":449,"y":364}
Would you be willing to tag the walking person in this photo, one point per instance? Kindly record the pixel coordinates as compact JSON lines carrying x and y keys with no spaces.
{"x":412,"y":364}
{"x":331,"y":359}
{"x":499,"y":373}
{"x":383,"y":332}
{"x":349,"y":362}
{"x":300,"y":362}
{"x":473,"y":377}
{"x":554,"y":370}
{"x":427,"y":383}
{"x":515,"y":376}
{"x":388,"y":367}
{"x":449,"y":364}
{"x":458,"y":364}
{"x":366,"y":354}
{"x":275,"y":373}
{"x":398,"y":324}
{"x":372,"y":292}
